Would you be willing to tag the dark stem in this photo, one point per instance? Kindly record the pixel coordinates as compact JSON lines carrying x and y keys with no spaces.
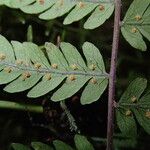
{"x":112,"y":79}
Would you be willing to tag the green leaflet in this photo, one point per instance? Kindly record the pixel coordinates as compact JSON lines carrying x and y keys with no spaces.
{"x":17,"y":3}
{"x":6,"y":49}
{"x":143,"y":117}
{"x":6,"y":77}
{"x":122,"y":142}
{"x":35,"y":55}
{"x":136,"y":23}
{"x":59,"y":145}
{"x":93,"y":57}
{"x":17,"y":146}
{"x":79,"y":12}
{"x":1,"y":2}
{"x":58,"y":9}
{"x":69,"y":88}
{"x":143,"y":114}
{"x":145,"y":31}
{"x":132,"y":105}
{"x":92,"y":92}
{"x":72,"y":56}
{"x":135,"y":39}
{"x":21,"y":53}
{"x":98,"y":17}
{"x":29,"y":68}
{"x":37,"y":7}
{"x":21,"y":84}
{"x":40,"y":146}
{"x":45,"y":86}
{"x":28,"y":52}
{"x":133,"y":9}
{"x":82,"y":143}
{"x":134,"y":90}
{"x":126,"y":123}
{"x":145,"y":99}
{"x":51,"y":9}
{"x":55,"y":56}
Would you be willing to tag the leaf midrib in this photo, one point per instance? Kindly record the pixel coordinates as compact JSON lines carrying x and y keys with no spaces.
{"x":56,"y":71}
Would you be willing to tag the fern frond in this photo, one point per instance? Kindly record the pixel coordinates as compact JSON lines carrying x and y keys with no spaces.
{"x":134,"y":103}
{"x":50,"y":9}
{"x":25,"y":66}
{"x":136,"y":24}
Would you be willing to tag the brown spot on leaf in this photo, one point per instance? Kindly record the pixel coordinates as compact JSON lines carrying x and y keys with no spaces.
{"x":72,"y":77}
{"x":2,"y":56}
{"x":128,"y":113}
{"x":147,"y":114}
{"x":93,"y":80}
{"x":81,"y":4}
{"x":138,"y":17}
{"x":26,"y":75}
{"x":47,"y":76}
{"x":74,"y":66}
{"x":134,"y":30}
{"x":8,"y":69}
{"x":92,"y":66}
{"x":101,"y":7}
{"x":54,"y":66}
{"x":37,"y":65}
{"x":133,"y":99}
{"x":41,"y":2}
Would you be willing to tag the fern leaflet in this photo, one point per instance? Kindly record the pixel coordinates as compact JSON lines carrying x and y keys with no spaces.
{"x":25,"y":66}
{"x":50,"y":9}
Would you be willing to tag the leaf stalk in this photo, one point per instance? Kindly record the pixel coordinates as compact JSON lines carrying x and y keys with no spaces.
{"x":19,"y":106}
{"x":112,"y":77}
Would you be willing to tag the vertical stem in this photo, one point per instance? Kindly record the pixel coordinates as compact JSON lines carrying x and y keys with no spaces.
{"x":112,"y":79}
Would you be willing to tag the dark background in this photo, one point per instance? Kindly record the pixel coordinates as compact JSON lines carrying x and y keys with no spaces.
{"x":24,"y":127}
